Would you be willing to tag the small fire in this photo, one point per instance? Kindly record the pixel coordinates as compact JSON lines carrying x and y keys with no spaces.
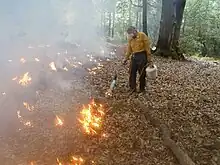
{"x":25,"y":123}
{"x":25,"y":80}
{"x":19,"y":114}
{"x":15,"y":78}
{"x":3,"y":93}
{"x":77,"y":161}
{"x":28,"y":106}
{"x":58,"y":161}
{"x":65,"y":69}
{"x":58,"y":121}
{"x":79,"y":63}
{"x":52,"y":66}
{"x":32,"y":163}
{"x":36,"y":59}
{"x":91,"y":118}
{"x":22,"y":60}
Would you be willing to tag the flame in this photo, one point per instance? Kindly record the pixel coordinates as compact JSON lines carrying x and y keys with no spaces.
{"x":22,"y":60}
{"x":58,"y":161}
{"x":65,"y":69}
{"x":32,"y":163}
{"x":18,"y":114}
{"x":15,"y":78}
{"x":3,"y":93}
{"x":91,"y":118}
{"x":36,"y":59}
{"x":58,"y":121}
{"x":52,"y":66}
{"x":25,"y":80}
{"x":28,"y":106}
{"x":26,"y":123}
{"x":77,"y":161}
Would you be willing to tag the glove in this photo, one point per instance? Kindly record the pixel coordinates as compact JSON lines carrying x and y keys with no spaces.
{"x":150,"y":64}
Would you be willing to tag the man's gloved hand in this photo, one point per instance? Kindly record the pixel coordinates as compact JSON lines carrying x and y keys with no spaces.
{"x":150,"y":64}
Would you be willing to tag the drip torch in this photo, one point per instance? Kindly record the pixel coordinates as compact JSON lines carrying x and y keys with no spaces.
{"x":112,"y":86}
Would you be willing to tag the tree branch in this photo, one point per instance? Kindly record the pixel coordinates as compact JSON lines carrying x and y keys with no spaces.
{"x":181,"y":156}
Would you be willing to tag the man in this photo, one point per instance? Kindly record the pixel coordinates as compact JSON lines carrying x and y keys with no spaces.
{"x":139,"y":52}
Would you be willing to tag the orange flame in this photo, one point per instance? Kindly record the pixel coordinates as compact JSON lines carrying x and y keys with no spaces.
{"x":58,"y":161}
{"x":28,"y":106}
{"x":36,"y":59}
{"x":52,"y":66}
{"x":22,"y":60}
{"x":77,"y":161}
{"x":15,"y":78}
{"x":91,"y":118}
{"x":25,"y":80}
{"x":58,"y":121}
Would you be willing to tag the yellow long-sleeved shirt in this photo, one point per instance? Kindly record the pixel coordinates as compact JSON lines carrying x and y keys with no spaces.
{"x":139,"y":44}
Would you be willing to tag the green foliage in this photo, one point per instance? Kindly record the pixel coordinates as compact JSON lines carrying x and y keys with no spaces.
{"x":201,"y":27}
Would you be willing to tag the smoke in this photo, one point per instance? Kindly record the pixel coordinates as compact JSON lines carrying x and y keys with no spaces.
{"x":49,"y":30}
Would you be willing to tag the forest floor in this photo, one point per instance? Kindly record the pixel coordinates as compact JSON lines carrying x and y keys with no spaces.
{"x":185,"y":97}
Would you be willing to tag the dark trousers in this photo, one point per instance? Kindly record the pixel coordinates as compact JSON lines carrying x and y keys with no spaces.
{"x":138,"y":64}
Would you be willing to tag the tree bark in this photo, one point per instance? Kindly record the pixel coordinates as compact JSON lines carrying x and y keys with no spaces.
{"x":113,"y":25}
{"x":109,"y":24}
{"x":144,"y":17}
{"x":179,"y":9}
{"x":168,"y":32}
{"x":129,"y":15}
{"x":166,"y":24}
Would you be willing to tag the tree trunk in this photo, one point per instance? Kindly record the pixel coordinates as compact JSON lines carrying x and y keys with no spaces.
{"x":137,"y":19}
{"x":109,"y":24}
{"x":179,"y":9}
{"x":113,"y":25}
{"x":104,"y":23}
{"x":144,"y":17}
{"x":167,"y":30}
{"x":129,"y":15}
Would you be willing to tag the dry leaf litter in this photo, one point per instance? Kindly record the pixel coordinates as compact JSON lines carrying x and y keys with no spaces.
{"x":185,"y":97}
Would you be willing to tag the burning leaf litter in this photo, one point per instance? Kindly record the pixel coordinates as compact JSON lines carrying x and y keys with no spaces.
{"x":25,"y":79}
{"x":36,"y":59}
{"x":22,"y":60}
{"x":28,"y":106}
{"x":133,"y":140}
{"x":58,"y":121}
{"x":52,"y":66}
{"x":92,"y":118}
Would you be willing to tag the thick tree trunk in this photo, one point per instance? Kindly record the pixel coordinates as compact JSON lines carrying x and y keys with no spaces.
{"x":144,"y":17}
{"x":179,"y":9}
{"x":167,"y":30}
{"x":166,"y":24}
